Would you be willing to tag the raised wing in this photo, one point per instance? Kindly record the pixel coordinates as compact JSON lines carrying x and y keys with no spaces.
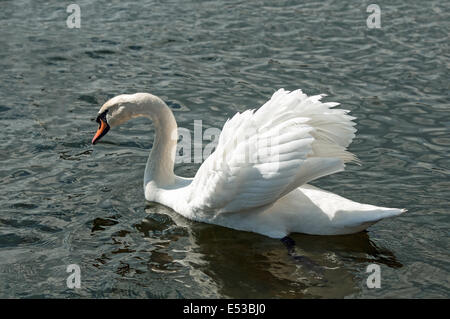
{"x":262,"y":155}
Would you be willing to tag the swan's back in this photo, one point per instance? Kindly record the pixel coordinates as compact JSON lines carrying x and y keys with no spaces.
{"x":263,"y":155}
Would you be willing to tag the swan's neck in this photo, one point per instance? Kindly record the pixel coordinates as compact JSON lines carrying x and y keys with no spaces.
{"x":159,"y":168}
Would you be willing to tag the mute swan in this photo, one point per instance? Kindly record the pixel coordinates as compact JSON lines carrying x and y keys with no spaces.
{"x":256,"y":179}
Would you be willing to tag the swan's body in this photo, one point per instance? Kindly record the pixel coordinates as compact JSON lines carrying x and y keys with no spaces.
{"x":256,"y":179}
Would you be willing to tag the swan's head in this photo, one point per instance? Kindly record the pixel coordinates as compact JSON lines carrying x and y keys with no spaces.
{"x":124,"y":107}
{"x":114,"y":112}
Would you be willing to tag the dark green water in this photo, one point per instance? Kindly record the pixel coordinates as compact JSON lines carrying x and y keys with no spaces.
{"x":63,"y":201}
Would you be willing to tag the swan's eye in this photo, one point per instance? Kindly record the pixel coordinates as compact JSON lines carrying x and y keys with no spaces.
{"x":101,"y":117}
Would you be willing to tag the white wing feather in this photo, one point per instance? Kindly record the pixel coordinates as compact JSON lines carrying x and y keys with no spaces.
{"x":263,"y":155}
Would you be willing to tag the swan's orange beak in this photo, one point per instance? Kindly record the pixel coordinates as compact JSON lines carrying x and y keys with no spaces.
{"x":103,"y":128}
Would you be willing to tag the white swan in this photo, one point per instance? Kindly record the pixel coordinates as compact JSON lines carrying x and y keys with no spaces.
{"x":256,"y":179}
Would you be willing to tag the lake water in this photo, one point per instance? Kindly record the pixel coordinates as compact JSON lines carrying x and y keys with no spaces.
{"x":64,"y":201}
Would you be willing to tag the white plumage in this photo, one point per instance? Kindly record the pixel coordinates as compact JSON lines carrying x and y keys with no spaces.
{"x":256,"y":179}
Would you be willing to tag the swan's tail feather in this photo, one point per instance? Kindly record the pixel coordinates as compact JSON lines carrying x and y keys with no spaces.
{"x":367,"y":217}
{"x":335,"y":214}
{"x":383,"y":213}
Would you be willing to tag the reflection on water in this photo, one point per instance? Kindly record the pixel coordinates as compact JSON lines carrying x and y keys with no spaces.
{"x":237,"y":264}
{"x":64,"y":202}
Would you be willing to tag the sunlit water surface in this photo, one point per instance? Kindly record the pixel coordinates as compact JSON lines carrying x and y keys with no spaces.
{"x":64,"y":201}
